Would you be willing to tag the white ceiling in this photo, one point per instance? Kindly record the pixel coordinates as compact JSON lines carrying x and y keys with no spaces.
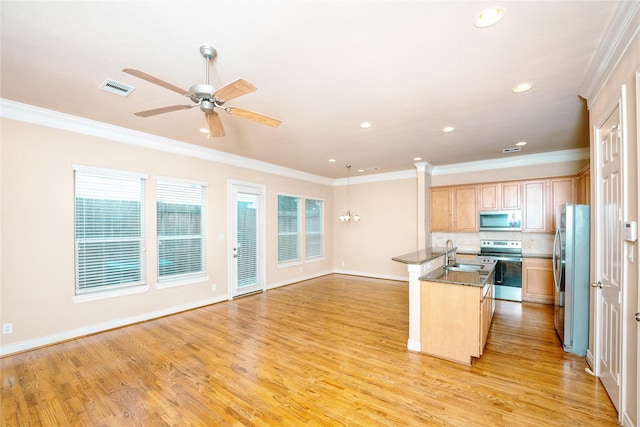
{"x":322,"y":67}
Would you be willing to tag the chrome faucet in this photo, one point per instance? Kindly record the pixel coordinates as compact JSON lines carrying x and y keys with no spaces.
{"x":451,"y":258}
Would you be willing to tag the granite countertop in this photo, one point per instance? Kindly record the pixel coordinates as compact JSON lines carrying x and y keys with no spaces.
{"x":468,"y":278}
{"x":421,"y":256}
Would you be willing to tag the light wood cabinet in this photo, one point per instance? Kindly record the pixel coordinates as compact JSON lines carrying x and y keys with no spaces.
{"x":537,"y":280}
{"x":453,"y":208}
{"x":583,"y":186}
{"x":561,"y":190}
{"x":534,"y":215}
{"x":440,"y":206}
{"x":465,"y":208}
{"x":455,"y":320}
{"x":500,"y":196}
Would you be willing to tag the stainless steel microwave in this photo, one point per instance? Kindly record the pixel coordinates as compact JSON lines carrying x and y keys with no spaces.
{"x":500,"y":220}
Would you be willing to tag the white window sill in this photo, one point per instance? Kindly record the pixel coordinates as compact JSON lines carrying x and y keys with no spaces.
{"x":94,"y":296}
{"x":183,"y":281}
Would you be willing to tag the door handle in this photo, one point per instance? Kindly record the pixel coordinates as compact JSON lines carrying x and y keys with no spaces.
{"x":597,"y":284}
{"x":637,"y":316}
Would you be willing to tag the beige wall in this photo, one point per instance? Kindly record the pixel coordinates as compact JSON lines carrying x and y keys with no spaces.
{"x":37,"y":266}
{"x":388,"y":228}
{"x":599,"y":109}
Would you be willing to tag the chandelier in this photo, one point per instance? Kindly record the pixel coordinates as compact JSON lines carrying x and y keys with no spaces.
{"x":348,"y":216}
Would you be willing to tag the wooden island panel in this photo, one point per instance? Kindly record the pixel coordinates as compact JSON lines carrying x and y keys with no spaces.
{"x":451,"y":321}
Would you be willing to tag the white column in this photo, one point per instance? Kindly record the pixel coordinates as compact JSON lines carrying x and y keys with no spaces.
{"x":415,"y":271}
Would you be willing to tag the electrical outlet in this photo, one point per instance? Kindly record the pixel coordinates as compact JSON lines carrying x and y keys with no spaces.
{"x":7,"y":328}
{"x":214,"y":287}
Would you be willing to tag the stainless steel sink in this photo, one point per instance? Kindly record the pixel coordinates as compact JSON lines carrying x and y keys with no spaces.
{"x":470,"y":268}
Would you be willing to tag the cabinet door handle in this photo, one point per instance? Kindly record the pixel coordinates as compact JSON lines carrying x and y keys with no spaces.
{"x":637,"y":316}
{"x":597,"y":284}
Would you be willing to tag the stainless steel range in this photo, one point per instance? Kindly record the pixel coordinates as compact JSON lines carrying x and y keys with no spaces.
{"x":508,"y":272}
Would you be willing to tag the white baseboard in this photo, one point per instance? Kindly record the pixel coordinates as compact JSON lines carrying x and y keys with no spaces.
{"x":414,"y":345}
{"x":101,"y":327}
{"x":373,"y":275}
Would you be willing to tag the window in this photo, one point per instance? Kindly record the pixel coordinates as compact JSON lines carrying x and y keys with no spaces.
{"x":288,"y":228}
{"x":180,"y":226}
{"x":109,"y":229}
{"x":314,"y":228}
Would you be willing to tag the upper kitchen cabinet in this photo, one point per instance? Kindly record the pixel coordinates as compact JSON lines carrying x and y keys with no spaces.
{"x":583,"y":186}
{"x":465,"y":208}
{"x":561,"y":190}
{"x":453,"y":208}
{"x":541,"y":199}
{"x":534,"y":215}
{"x":500,"y":196}
{"x":440,"y":207}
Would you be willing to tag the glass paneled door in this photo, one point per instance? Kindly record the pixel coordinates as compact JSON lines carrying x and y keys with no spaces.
{"x":246,"y":238}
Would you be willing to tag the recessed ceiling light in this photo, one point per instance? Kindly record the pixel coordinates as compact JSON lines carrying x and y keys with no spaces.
{"x":448,"y":129}
{"x":360,"y":170}
{"x":522,"y":87}
{"x":521,"y":143}
{"x":204,"y":130}
{"x":488,"y":17}
{"x":365,"y":125}
{"x":417,"y":158}
{"x":332,"y":160}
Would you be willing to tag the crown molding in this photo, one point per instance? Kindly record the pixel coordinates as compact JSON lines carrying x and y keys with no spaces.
{"x":54,"y":119}
{"x":43,"y":117}
{"x":623,"y":27}
{"x":518,"y":161}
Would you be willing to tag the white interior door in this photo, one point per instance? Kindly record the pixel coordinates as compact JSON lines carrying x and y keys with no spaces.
{"x":246,"y":241}
{"x":609,"y":257}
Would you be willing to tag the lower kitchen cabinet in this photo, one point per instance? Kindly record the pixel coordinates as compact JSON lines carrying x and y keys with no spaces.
{"x":537,"y":280}
{"x":455,"y":320}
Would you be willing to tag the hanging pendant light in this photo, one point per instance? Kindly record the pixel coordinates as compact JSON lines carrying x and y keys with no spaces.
{"x":348,"y":216}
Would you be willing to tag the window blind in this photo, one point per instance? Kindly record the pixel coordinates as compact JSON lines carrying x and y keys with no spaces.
{"x":288,"y":228}
{"x":314,"y":228}
{"x":180,"y":227}
{"x":109,"y":229}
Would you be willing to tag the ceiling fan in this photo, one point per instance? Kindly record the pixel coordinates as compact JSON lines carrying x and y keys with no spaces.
{"x":207,"y":97}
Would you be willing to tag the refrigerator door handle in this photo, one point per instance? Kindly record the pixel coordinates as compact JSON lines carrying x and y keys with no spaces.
{"x":556,"y":273}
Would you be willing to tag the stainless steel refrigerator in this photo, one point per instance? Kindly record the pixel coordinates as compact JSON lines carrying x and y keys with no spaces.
{"x":571,"y":276}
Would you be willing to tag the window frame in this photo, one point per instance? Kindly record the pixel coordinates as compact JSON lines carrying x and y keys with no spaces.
{"x":93,"y":292}
{"x":298,"y":232}
{"x":321,"y":233}
{"x":201,"y":275}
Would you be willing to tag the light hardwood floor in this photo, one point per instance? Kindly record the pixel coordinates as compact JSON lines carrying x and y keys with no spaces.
{"x":328,"y":351}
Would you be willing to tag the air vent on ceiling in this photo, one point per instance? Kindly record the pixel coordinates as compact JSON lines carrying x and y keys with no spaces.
{"x":117,"y":87}
{"x":511,"y":150}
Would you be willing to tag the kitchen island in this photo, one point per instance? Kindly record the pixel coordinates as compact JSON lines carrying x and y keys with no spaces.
{"x":456,"y":307}
{"x":418,"y":263}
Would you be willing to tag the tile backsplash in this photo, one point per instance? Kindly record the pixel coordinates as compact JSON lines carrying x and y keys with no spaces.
{"x":533,"y":243}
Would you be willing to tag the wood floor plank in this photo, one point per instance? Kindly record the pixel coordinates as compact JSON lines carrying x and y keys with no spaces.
{"x":328,"y":351}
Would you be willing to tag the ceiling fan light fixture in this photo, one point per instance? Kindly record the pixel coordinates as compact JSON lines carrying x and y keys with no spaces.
{"x":489,"y":17}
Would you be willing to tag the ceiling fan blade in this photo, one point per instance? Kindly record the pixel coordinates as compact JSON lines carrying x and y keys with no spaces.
{"x":155,"y":80}
{"x":259,"y":118}
{"x":234,"y":89}
{"x":162,"y":110}
{"x":215,"y":125}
